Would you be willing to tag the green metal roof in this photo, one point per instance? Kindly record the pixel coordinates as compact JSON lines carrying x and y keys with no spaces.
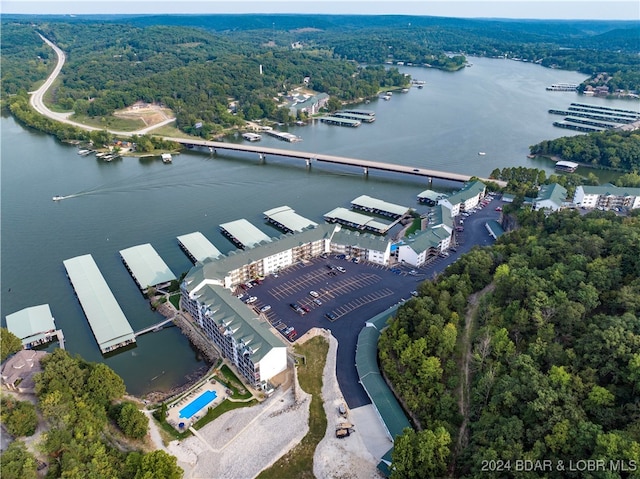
{"x":246,"y":329}
{"x":219,"y":268}
{"x":245,"y":233}
{"x":28,"y":324}
{"x":469,"y":190}
{"x":361,"y":240}
{"x":357,"y":219}
{"x":146,"y":265}
{"x":287,"y":217}
{"x":199,"y":247}
{"x":610,"y":190}
{"x":380,"y":205}
{"x":108,"y":323}
{"x":383,"y":399}
{"x":553,"y":192}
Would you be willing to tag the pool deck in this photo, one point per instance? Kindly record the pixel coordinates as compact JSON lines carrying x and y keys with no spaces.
{"x":173,"y":413}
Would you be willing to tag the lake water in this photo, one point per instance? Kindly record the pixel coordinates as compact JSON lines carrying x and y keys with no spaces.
{"x":496,"y":106}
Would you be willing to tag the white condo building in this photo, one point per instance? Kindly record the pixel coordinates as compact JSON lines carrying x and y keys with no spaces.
{"x":607,"y":197}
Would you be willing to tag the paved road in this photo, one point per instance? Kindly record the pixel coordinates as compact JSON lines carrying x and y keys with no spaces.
{"x":37,"y":101}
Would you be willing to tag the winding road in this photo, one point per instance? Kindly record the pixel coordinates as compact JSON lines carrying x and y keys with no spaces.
{"x":37,"y":101}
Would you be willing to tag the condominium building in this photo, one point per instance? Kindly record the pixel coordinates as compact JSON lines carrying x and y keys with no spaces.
{"x":607,"y":197}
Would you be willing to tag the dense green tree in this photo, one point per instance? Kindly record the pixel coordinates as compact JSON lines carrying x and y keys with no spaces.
{"x":17,"y":462}
{"x":19,"y":417}
{"x":420,"y":454}
{"x":104,"y":385}
{"x":9,"y":343}
{"x":132,"y":421}
{"x":158,"y":465}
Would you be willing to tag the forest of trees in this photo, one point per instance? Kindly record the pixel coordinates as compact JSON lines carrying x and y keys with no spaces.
{"x":608,"y":149}
{"x":196,"y":66}
{"x":554,"y":353}
{"x":87,"y":419}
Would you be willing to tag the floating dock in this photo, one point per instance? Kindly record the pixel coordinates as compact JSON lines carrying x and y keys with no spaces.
{"x":355,"y":116}
{"x":34,"y":326}
{"x":379,"y":207}
{"x":336,"y":120}
{"x":369,"y":113}
{"x":356,"y":220}
{"x":243,"y":234}
{"x":288,"y":220}
{"x":197,"y":247}
{"x":252,"y":136}
{"x":588,"y":118}
{"x":146,"y":266}
{"x":109,"y":325}
{"x":290,"y":137}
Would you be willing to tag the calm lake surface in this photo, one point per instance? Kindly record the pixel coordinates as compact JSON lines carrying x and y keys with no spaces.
{"x":496,"y":106}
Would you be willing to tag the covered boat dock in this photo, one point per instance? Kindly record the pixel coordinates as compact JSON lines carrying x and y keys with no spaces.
{"x":146,"y":266}
{"x":288,"y":220}
{"x":197,"y":247}
{"x":34,"y":326}
{"x":109,"y":325}
{"x":356,"y":220}
{"x":243,"y":234}
{"x":379,"y":207}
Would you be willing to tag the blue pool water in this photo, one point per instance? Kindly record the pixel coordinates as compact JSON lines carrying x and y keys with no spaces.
{"x":197,"y":404}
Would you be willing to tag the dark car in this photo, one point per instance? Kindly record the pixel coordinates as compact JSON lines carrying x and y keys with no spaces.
{"x":305,"y":308}
{"x":331,"y":316}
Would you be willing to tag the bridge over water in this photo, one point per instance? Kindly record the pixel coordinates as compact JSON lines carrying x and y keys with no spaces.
{"x":309,"y":158}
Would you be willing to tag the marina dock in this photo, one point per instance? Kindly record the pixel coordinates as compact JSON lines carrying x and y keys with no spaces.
{"x":109,"y":325}
{"x":340,"y":121}
{"x":146,"y":267}
{"x":589,"y":118}
{"x":365,"y":118}
{"x":290,"y":137}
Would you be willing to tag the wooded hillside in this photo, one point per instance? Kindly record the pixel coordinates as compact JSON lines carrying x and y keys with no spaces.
{"x":555,"y":353}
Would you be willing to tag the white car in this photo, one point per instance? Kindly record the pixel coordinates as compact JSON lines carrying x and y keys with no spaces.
{"x":265,"y":308}
{"x":252,"y":299}
{"x":314,"y":294}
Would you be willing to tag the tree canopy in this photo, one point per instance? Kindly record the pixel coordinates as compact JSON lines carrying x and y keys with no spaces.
{"x":554,"y":354}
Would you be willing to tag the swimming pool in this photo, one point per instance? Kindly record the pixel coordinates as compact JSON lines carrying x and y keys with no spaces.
{"x":198,"y":403}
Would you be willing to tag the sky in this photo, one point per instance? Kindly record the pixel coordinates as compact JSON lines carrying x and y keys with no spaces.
{"x":532,"y":9}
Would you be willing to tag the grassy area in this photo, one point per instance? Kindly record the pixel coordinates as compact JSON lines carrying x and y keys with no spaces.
{"x":175,"y":300}
{"x":172,"y":131}
{"x":415,"y":226}
{"x":298,"y":462}
{"x":110,"y":122}
{"x":231,"y":381}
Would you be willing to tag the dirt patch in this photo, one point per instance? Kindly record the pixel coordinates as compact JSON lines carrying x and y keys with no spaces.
{"x":149,"y":113}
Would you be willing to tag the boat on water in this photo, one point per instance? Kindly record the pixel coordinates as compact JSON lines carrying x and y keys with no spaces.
{"x":58,"y":198}
{"x":386,"y":97}
{"x":481,"y":153}
{"x":166,"y":158}
{"x":84,"y":152}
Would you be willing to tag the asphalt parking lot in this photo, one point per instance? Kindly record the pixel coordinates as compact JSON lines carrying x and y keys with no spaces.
{"x":344,"y":301}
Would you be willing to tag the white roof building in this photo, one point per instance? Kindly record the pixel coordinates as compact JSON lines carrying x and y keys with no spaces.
{"x":607,"y":197}
{"x":374,"y":205}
